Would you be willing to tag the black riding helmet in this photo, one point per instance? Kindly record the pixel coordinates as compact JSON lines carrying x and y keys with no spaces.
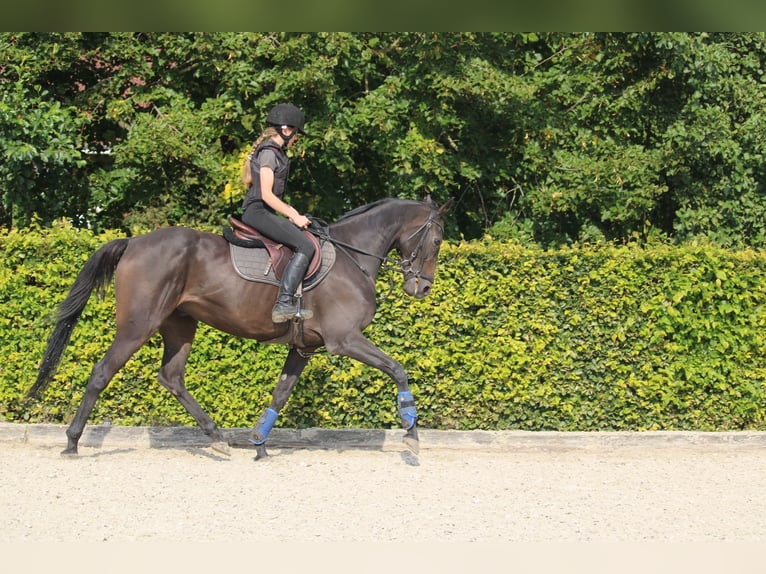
{"x":286,"y":115}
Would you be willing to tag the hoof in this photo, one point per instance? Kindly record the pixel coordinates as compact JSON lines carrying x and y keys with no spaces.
{"x":412,"y":443}
{"x":69,"y":453}
{"x":221,"y":447}
{"x":260,"y":452}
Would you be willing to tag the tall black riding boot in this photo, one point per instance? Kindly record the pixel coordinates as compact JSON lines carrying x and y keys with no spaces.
{"x":286,"y":308}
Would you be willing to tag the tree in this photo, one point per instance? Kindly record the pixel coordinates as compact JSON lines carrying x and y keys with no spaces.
{"x":639,"y":132}
{"x":552,"y":138}
{"x":40,"y":144}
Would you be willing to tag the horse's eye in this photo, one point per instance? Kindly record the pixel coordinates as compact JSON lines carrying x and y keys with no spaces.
{"x":437,"y":242}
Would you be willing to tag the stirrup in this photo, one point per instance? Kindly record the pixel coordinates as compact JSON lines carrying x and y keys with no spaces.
{"x":301,"y":313}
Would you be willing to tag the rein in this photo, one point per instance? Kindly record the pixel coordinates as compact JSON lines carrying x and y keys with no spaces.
{"x":322,"y":232}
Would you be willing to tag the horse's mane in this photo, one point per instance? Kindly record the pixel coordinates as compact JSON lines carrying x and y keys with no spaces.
{"x":365,"y":208}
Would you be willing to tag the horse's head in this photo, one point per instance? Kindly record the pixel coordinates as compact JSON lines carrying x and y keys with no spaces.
{"x":418,"y":246}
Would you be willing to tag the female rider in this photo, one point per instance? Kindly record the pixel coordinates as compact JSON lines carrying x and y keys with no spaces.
{"x":265,"y":174}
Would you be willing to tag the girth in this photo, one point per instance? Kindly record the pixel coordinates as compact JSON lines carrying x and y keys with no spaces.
{"x":243,"y":235}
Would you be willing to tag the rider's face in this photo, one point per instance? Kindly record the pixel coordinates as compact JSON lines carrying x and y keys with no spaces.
{"x":287,"y":134}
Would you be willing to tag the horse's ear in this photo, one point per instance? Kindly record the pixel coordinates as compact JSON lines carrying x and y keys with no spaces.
{"x":446,"y":207}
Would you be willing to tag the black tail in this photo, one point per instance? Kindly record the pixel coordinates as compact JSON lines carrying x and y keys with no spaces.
{"x":96,"y":273}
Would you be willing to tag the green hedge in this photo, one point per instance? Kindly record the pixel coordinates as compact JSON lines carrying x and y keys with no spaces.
{"x":588,"y":338}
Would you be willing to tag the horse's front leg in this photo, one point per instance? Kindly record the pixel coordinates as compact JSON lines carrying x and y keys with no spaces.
{"x":294,"y":364}
{"x":409,"y":415}
{"x":359,"y":348}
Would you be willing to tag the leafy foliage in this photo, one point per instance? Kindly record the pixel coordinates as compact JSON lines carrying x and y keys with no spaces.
{"x":550,"y":138}
{"x":513,"y":337}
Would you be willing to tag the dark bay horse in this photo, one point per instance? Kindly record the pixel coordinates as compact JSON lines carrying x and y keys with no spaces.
{"x":169,"y":280}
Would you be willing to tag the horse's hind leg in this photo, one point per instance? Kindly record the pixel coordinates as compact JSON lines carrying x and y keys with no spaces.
{"x":123,"y":347}
{"x":178,"y":334}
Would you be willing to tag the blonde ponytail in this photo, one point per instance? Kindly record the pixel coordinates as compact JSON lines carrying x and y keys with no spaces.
{"x":247,"y":174}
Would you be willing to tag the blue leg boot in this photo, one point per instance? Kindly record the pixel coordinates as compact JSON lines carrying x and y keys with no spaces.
{"x":262,"y":429}
{"x":409,"y":416}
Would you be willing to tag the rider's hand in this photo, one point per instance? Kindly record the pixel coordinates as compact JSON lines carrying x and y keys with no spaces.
{"x":301,"y":221}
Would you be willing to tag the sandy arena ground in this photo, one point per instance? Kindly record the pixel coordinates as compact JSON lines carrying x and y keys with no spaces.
{"x":619,"y":491}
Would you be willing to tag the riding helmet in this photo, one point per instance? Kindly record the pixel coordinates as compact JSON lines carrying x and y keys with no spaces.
{"x":286,"y":115}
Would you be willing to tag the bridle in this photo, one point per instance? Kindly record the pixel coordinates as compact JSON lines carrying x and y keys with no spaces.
{"x":405,"y":266}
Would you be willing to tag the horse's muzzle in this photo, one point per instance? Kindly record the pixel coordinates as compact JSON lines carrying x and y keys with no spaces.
{"x":418,"y":287}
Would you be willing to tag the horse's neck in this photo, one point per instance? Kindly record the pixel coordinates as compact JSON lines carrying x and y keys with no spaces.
{"x":373,"y":232}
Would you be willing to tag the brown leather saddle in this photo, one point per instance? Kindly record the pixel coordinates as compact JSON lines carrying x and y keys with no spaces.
{"x":278,"y":253}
